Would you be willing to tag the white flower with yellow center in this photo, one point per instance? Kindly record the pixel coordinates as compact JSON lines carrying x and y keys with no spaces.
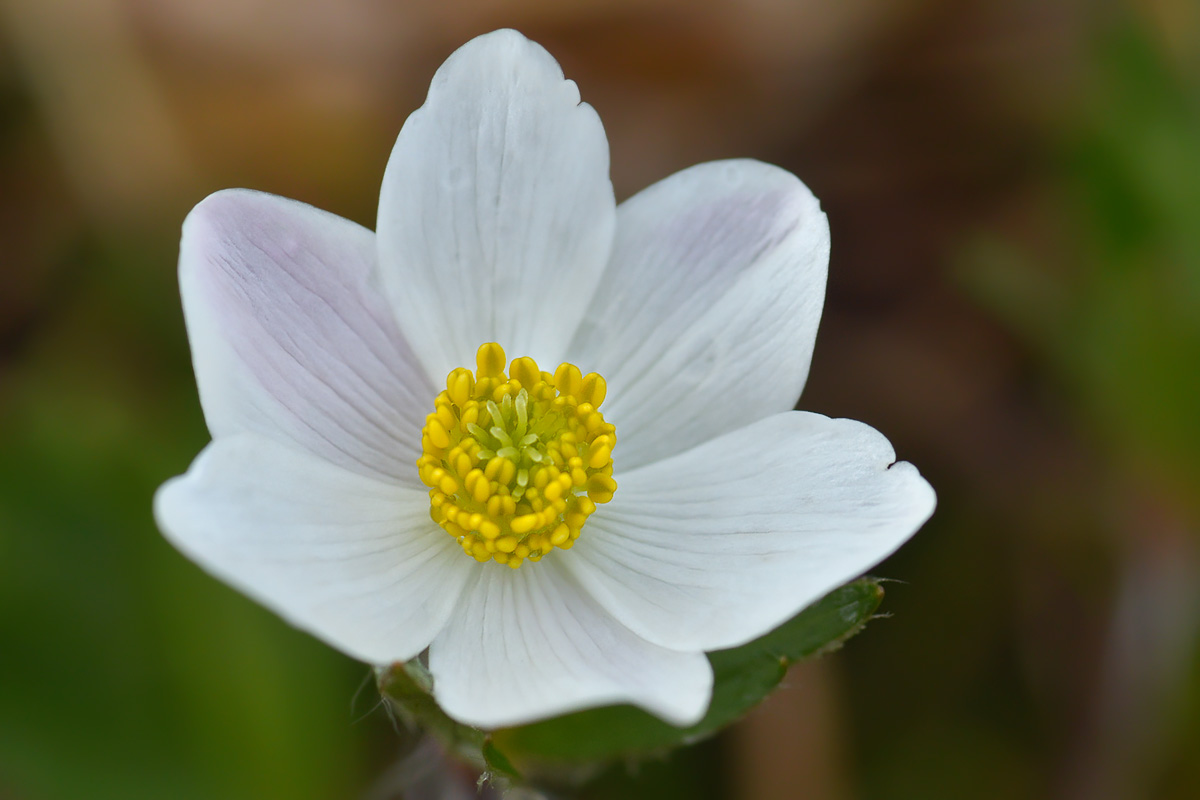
{"x":384,"y":476}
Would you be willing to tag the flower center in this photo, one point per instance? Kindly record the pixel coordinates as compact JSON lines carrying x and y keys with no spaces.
{"x":516,"y":463}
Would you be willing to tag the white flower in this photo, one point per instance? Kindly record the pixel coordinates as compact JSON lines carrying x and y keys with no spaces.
{"x":320,"y":349}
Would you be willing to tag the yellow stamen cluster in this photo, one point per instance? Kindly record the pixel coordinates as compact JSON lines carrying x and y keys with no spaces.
{"x":516,"y":463}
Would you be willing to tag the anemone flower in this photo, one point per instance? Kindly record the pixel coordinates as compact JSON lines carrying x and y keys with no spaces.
{"x":382,"y":476}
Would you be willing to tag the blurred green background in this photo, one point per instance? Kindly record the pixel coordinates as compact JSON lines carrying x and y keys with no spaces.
{"x":1014,"y":192}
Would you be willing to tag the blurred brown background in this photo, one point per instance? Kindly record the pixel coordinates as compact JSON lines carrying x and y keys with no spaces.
{"x":1014,"y":193}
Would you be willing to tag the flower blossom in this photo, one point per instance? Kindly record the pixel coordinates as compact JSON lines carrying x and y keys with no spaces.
{"x":576,"y":526}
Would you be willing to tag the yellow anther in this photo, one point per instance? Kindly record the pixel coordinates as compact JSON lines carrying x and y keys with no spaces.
{"x":600,"y":453}
{"x":437,"y":434}
{"x":524,"y":523}
{"x":594,"y":389}
{"x":459,"y":385}
{"x":567,"y":379}
{"x":478,"y":485}
{"x":516,"y":462}
{"x":490,"y":360}
{"x":526,"y":371}
{"x":601,"y":488}
{"x":493,"y":468}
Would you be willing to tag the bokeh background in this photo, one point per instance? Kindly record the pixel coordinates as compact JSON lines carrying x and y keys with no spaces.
{"x":1014,"y":193}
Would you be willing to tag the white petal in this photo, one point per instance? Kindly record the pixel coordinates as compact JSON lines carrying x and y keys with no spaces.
{"x":706,"y":317}
{"x":355,"y":561}
{"x":496,"y":213}
{"x":529,"y":643}
{"x":288,"y":338}
{"x":719,"y":545}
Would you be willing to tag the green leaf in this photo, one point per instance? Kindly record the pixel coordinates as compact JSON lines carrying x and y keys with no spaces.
{"x":744,"y":676}
{"x":497,"y":763}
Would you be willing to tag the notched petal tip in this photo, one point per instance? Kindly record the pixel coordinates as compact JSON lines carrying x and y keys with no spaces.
{"x":923,"y":497}
{"x":505,"y":60}
{"x":499,"y":55}
{"x":768,"y":192}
